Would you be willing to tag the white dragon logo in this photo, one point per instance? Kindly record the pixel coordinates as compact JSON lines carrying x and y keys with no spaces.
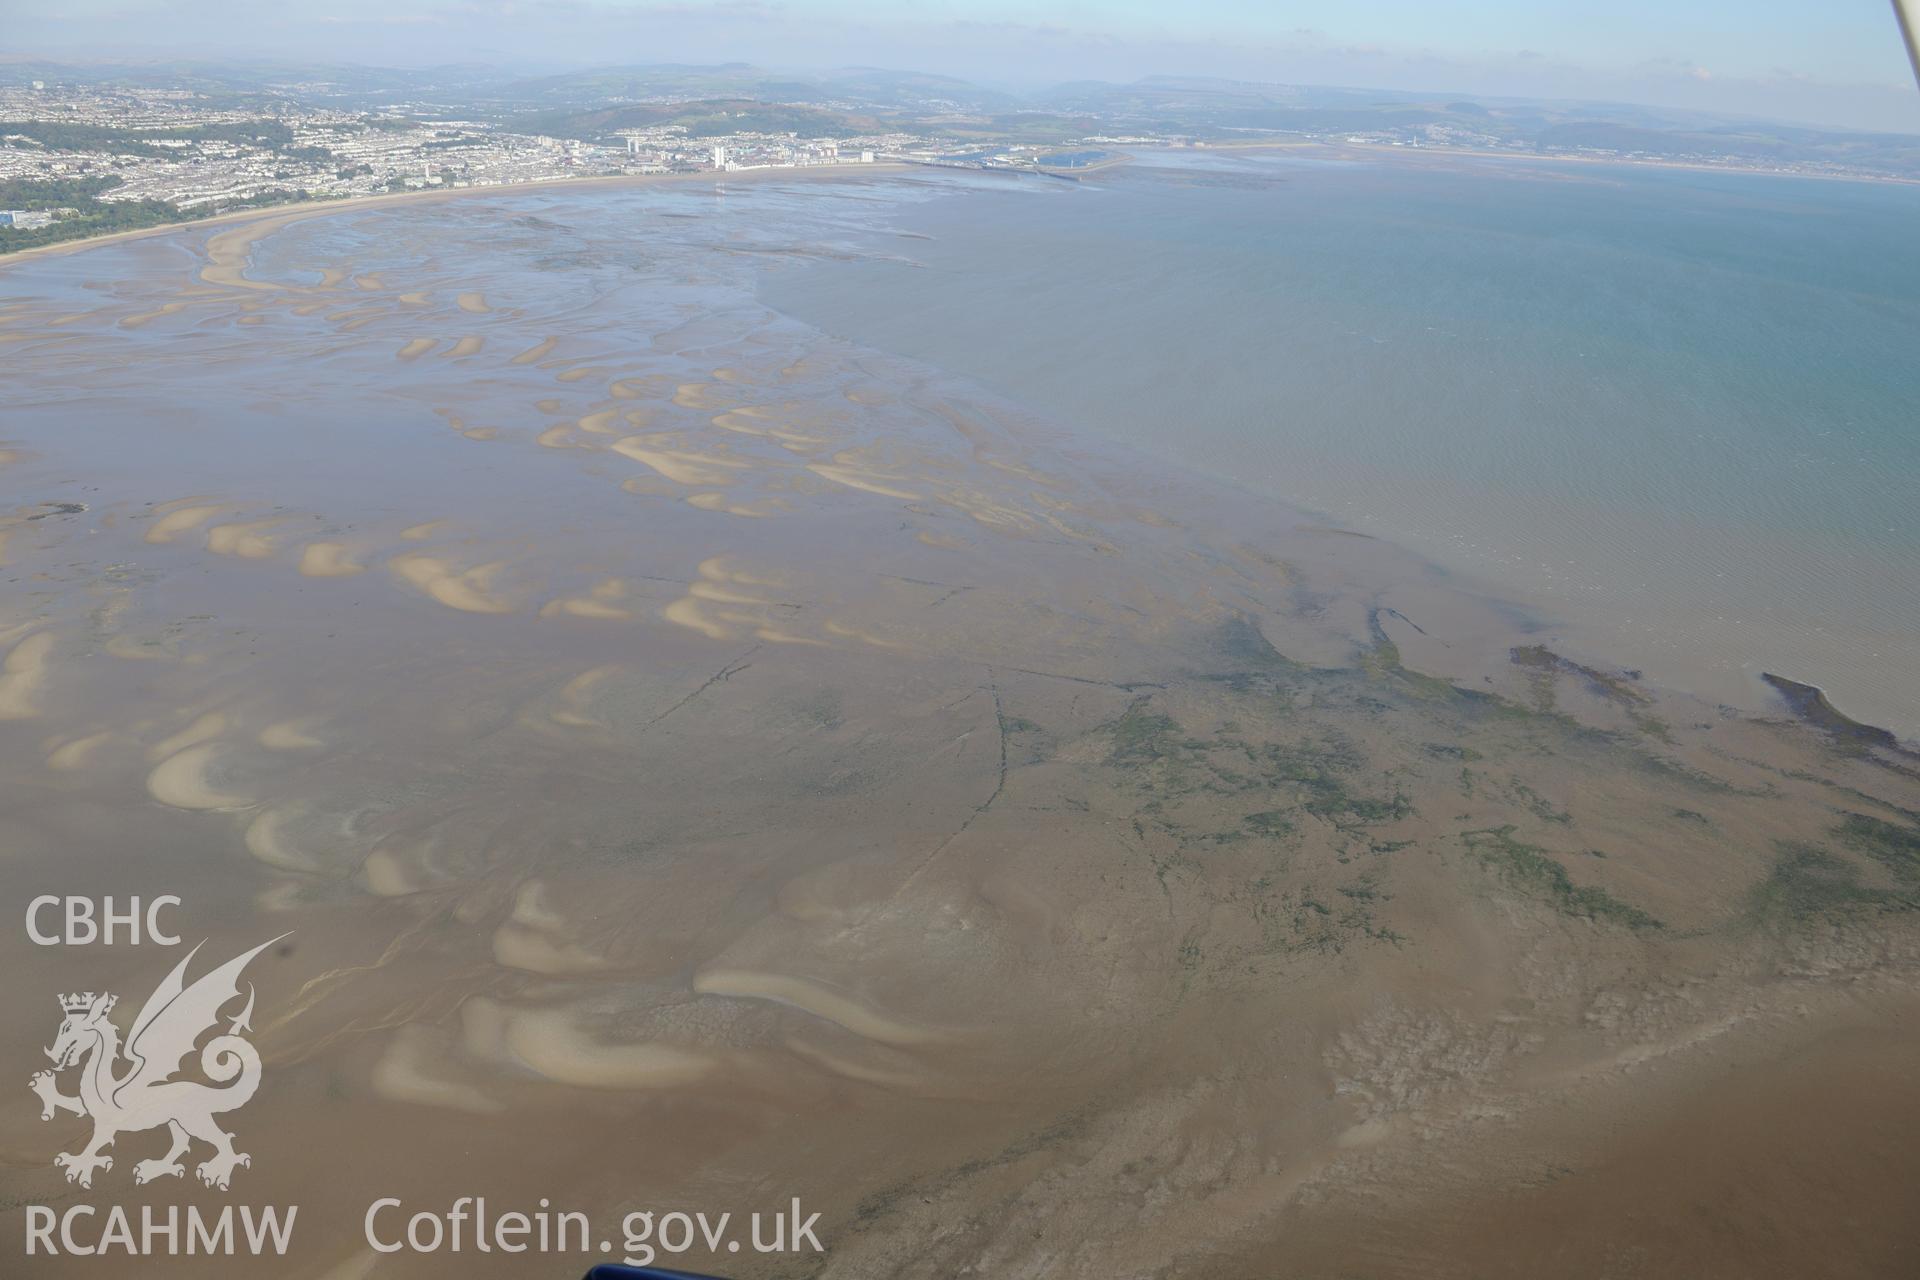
{"x":146,"y":1096}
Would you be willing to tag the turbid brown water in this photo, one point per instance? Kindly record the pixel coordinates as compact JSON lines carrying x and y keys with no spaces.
{"x":702,"y":764}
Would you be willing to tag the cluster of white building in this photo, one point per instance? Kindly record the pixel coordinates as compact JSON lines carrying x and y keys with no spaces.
{"x":334,"y":153}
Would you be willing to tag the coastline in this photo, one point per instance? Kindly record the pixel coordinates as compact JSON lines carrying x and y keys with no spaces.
{"x":1366,"y":149}
{"x":297,"y":210}
{"x":1373,"y":150}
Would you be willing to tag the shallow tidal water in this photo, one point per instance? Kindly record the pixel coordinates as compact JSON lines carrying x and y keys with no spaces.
{"x":699,"y":762}
{"x":1673,"y":410}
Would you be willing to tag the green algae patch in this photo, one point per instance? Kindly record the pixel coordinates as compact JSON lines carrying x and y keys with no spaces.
{"x":1534,"y":871}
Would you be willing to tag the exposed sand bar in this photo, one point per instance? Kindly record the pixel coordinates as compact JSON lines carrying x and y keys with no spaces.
{"x":181,"y":520}
{"x":468,"y":590}
{"x":818,"y":999}
{"x":328,"y":560}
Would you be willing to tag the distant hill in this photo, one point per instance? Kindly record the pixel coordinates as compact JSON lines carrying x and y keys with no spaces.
{"x":702,"y":119}
{"x":870,"y":87}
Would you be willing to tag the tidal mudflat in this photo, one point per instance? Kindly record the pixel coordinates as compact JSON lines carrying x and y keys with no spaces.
{"x":702,"y":763}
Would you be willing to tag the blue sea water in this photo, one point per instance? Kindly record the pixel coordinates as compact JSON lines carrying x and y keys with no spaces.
{"x":1677,"y":410}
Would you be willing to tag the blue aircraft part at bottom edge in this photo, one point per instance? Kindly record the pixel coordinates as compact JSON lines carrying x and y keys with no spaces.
{"x":614,"y":1271}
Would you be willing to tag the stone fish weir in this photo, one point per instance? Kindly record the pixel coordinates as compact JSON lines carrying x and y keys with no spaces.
{"x":702,"y":763}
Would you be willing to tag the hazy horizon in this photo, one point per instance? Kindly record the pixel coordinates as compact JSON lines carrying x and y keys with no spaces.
{"x":520,"y":68}
{"x":1787,"y":61}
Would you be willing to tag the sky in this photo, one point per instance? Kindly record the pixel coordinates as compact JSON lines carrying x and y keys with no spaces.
{"x":1832,"y":62}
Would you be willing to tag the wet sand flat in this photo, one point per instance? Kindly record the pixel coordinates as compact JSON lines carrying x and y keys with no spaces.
{"x":816,"y":776}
